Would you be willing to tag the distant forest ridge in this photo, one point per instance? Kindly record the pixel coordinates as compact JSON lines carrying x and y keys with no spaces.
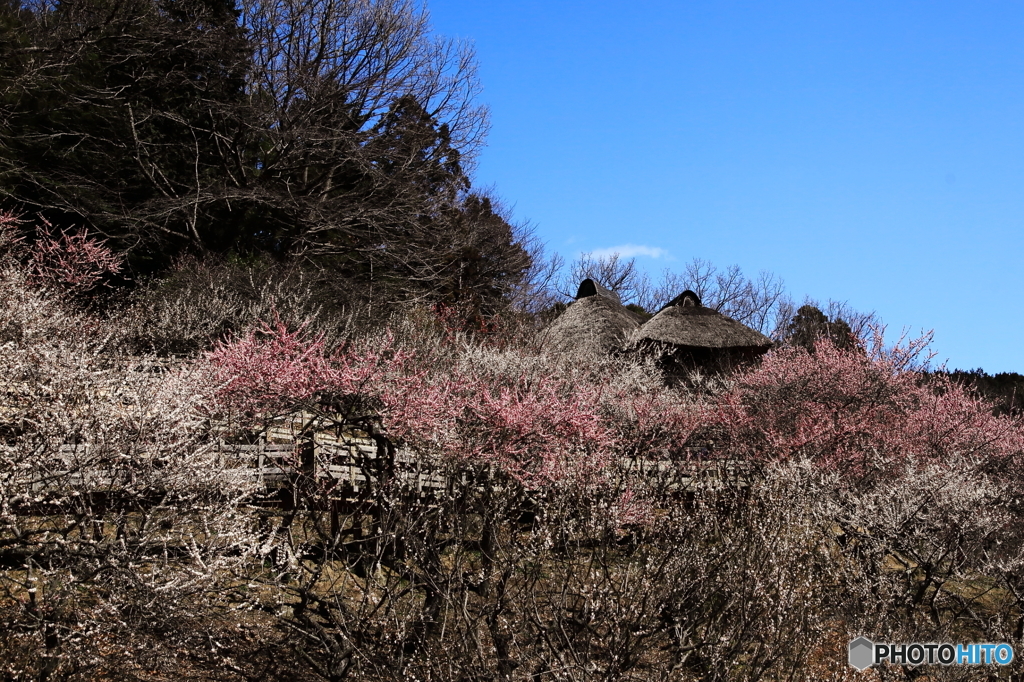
{"x":1004,"y":390}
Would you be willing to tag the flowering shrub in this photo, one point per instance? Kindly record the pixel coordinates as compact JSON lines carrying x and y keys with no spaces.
{"x":71,"y":263}
{"x":75,"y":262}
{"x":858,"y":411}
{"x":540,"y":431}
{"x":271,"y":369}
{"x":116,"y":510}
{"x":422,"y":399}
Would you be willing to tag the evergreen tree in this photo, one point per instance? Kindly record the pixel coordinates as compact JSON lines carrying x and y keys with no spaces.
{"x":335,"y":133}
{"x":810,"y":324}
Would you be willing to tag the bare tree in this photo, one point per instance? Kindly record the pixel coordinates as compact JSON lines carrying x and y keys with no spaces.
{"x":367,"y":127}
{"x":110,"y":114}
{"x":755,"y":302}
{"x":619,"y":274}
{"x":538,"y":290}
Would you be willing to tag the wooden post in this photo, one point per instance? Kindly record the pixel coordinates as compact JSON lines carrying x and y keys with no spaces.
{"x":335,"y":521}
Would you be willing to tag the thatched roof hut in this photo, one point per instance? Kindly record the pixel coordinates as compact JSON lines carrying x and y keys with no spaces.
{"x":596,"y":320}
{"x":695,"y":335}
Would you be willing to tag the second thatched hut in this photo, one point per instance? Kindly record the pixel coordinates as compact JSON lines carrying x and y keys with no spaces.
{"x":685,"y":334}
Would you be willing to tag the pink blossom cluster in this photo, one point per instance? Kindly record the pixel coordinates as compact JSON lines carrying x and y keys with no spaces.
{"x":538,"y":429}
{"x":540,"y":432}
{"x":543,"y":424}
{"x":75,"y":262}
{"x":10,"y":232}
{"x":848,"y":408}
{"x":272,"y":370}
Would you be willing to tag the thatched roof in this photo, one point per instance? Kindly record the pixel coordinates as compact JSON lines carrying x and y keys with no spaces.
{"x":591,"y":287}
{"x":685,"y":323}
{"x":596,"y":320}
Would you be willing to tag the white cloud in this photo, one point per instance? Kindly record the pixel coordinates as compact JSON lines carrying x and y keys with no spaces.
{"x":629,"y":251}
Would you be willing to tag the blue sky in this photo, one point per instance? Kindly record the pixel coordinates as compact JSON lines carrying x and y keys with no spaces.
{"x":871,"y":152}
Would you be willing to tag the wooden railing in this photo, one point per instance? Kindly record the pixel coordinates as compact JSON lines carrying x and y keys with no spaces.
{"x":341,"y":465}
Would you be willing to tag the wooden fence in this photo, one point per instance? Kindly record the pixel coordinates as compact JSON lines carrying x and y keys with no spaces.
{"x":300,"y":451}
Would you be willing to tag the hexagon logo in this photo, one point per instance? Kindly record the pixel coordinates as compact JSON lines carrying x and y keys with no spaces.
{"x":861,"y":653}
